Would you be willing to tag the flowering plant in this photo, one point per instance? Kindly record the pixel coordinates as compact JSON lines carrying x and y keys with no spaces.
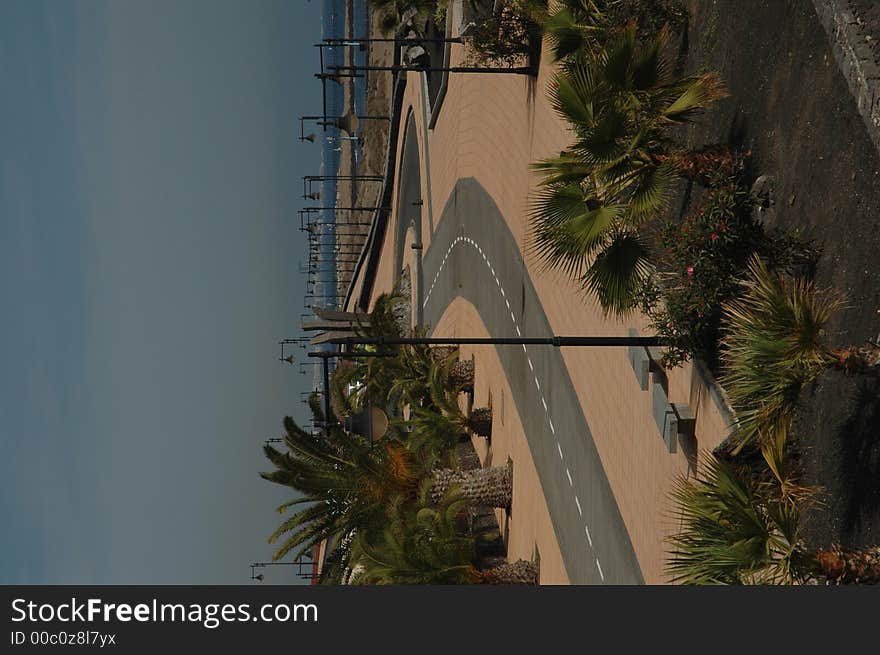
{"x":704,"y":257}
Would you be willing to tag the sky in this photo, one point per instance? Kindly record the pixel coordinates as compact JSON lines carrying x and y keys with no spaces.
{"x":150,"y":174}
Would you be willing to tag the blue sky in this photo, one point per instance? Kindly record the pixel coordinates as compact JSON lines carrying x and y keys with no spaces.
{"x":149,"y":182}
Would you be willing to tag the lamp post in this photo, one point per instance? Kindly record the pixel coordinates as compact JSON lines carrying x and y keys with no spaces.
{"x":299,"y":563}
{"x":355,"y":40}
{"x":347,"y":122}
{"x":398,"y":68}
{"x":347,"y":209}
{"x":322,"y":178}
{"x":555,"y":341}
{"x":299,"y":572}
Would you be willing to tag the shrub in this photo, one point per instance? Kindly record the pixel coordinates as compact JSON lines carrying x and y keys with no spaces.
{"x":705,"y":257}
{"x":505,"y":38}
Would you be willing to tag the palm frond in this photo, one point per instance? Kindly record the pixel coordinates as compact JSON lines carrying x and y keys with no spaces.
{"x":771,"y":346}
{"x":734,"y":530}
{"x":618,"y":271}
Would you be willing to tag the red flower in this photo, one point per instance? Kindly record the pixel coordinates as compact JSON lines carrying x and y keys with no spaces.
{"x":690,"y":271}
{"x":714,"y":237}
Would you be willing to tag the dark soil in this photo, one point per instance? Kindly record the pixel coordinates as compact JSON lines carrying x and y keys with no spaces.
{"x":840,"y":422}
{"x":790,"y":106}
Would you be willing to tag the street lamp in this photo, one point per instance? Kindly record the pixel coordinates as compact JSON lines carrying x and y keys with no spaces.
{"x":299,"y":563}
{"x":397,"y":68}
{"x":347,"y":122}
{"x":371,"y":423}
{"x":555,"y":341}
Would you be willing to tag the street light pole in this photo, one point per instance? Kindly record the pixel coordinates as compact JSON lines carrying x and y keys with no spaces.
{"x":555,"y":341}
{"x":515,"y":70}
{"x":399,"y":40}
{"x":348,"y":209}
{"x":558,"y":342}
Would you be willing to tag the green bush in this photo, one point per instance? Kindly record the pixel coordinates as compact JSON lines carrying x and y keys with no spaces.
{"x":705,"y":256}
{"x":505,"y":38}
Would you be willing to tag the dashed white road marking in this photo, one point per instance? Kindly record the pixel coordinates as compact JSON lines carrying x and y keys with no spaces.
{"x":464,"y":239}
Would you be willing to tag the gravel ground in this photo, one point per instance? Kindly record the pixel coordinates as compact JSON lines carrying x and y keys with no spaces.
{"x":790,"y":106}
{"x":868,"y":14}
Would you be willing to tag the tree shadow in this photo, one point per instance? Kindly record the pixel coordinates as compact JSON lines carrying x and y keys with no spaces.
{"x":860,"y":465}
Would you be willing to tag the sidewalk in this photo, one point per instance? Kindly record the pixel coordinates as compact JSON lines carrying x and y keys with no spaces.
{"x":490,"y":129}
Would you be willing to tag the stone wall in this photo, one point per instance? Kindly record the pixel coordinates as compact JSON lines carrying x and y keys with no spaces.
{"x":851,"y":41}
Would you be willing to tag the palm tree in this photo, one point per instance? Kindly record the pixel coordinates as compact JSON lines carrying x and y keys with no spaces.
{"x":375,"y":376}
{"x":444,"y":416}
{"x":490,"y":487}
{"x":774,"y":343}
{"x":425,"y":543}
{"x":620,"y":171}
{"x":734,"y":531}
{"x":739,"y":529}
{"x":460,"y":372}
{"x":839,"y":566}
{"x":403,"y":378}
{"x":346,"y":483}
{"x":574,"y":27}
{"x":392,"y":12}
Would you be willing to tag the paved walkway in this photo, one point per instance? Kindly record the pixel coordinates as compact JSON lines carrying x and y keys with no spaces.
{"x":601,"y":463}
{"x":474,"y":256}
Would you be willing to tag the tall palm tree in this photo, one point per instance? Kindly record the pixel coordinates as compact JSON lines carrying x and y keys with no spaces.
{"x":460,"y":371}
{"x":404,"y":377}
{"x":444,"y":416}
{"x":774,"y":343}
{"x":425,"y":543}
{"x":739,"y":529}
{"x":620,"y":171}
{"x":375,"y":376}
{"x":346,"y":483}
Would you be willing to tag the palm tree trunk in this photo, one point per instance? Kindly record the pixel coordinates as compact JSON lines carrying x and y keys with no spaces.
{"x":480,"y":421}
{"x":491,"y":487}
{"x":850,"y":566}
{"x":857,"y":359}
{"x":518,"y":572}
{"x":461,"y":375}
